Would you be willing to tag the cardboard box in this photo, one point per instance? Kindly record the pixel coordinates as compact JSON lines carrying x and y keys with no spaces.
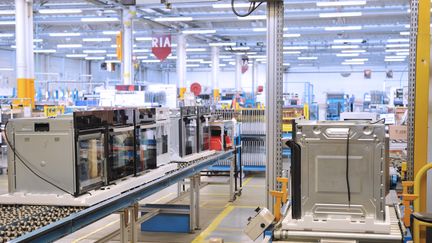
{"x":398,"y":132}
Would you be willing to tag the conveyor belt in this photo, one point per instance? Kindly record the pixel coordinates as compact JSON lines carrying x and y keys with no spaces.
{"x":81,"y":218}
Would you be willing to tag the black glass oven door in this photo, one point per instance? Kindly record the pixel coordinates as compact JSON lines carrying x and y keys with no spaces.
{"x":147,"y":148}
{"x":121,"y":161}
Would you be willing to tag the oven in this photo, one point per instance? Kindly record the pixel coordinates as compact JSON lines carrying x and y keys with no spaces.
{"x":146,"y":134}
{"x":90,"y":150}
{"x":203,"y":128}
{"x":162,"y":135}
{"x":121,"y":144}
{"x":188,"y":131}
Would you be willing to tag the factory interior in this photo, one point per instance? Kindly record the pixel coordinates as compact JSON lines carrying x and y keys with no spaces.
{"x":215,"y":121}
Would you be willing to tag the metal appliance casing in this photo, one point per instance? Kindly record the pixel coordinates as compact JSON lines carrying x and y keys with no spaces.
{"x":187,"y":122}
{"x":321,"y":170}
{"x":203,"y":127}
{"x":163,"y":135}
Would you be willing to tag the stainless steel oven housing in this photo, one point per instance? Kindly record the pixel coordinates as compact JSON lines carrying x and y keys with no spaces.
{"x":162,"y":135}
{"x":203,"y":126}
{"x":146,"y":139}
{"x":188,"y":131}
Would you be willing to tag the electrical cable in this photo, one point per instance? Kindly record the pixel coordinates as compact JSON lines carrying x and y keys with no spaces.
{"x":252,"y":8}
{"x":347,"y":168}
{"x":24,"y":162}
{"x":380,"y":120}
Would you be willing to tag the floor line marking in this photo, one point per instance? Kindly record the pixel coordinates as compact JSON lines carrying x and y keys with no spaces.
{"x":212,"y":227}
{"x":247,"y":181}
{"x":95,"y":231}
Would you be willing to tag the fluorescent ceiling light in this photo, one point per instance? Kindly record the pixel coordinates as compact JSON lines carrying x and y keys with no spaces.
{"x":113,"y":46}
{"x":340,"y":15}
{"x":239,"y":48}
{"x":228,"y":5}
{"x":257,"y":56}
{"x":141,"y":57}
{"x":353,"y":51}
{"x":76,"y":55}
{"x":94,"y":51}
{"x":7,"y":22}
{"x":111,"y":32}
{"x":395,"y":57}
{"x":345,"y":46}
{"x":192,"y":65}
{"x":341,"y":28}
{"x":231,"y":63}
{"x":95,"y":58}
{"x":173,"y":19}
{"x":307,"y":58}
{"x":352,"y":63}
{"x":64,"y":34}
{"x":291,"y":35}
{"x":253,"y":17}
{"x":60,"y":11}
{"x":341,"y":41}
{"x":111,"y":55}
{"x":7,"y":69}
{"x":69,"y":46}
{"x":397,"y":45}
{"x":295,"y":47}
{"x":112,"y":61}
{"x":195,"y":49}
{"x":286,"y":64}
{"x":150,"y":61}
{"x":402,"y":54}
{"x":341,"y":3}
{"x":194,"y":60}
{"x":172,"y":57}
{"x":404,"y":33}
{"x":259,"y":29}
{"x":347,"y":55}
{"x":394,"y":60}
{"x":222,"y":44}
{"x":45,"y":51}
{"x":143,"y":39}
{"x":37,"y":40}
{"x":199,"y":31}
{"x":292,"y":52}
{"x":397,"y":50}
{"x":5,"y":35}
{"x":141,"y":50}
{"x":96,"y":39}
{"x":222,"y":65}
{"x":7,"y":12}
{"x":397,"y":40}
{"x":357,"y":60}
{"x":101,"y":19}
{"x":225,"y":56}
{"x":206,"y":62}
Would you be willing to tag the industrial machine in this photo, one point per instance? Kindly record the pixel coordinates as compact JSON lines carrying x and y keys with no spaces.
{"x":188,"y":131}
{"x":146,"y":140}
{"x":203,"y":126}
{"x":162,"y":135}
{"x":59,"y":155}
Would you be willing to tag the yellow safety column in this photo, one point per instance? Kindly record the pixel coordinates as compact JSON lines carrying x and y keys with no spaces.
{"x":24,"y":52}
{"x":215,"y":73}
{"x":419,"y":99}
{"x":181,"y":64}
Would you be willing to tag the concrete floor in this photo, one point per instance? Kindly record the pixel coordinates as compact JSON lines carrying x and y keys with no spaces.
{"x":218,"y":218}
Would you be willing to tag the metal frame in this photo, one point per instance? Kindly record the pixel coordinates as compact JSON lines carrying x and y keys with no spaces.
{"x":274,"y":91}
{"x":87,"y":216}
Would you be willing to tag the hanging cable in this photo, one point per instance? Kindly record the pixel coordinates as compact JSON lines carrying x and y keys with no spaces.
{"x":24,"y":162}
{"x":347,"y":169}
{"x":252,"y":8}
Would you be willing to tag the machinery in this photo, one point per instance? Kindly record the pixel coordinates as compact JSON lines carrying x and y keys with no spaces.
{"x":203,"y":126}
{"x":145,"y":133}
{"x":162,"y":135}
{"x":188,"y":132}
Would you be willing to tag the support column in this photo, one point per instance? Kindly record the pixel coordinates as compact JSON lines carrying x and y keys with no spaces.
{"x":127,"y":45}
{"x":254,"y":77}
{"x":24,"y":52}
{"x":181,"y":64}
{"x":274,"y":101}
{"x":238,"y":74}
{"x":215,"y":72}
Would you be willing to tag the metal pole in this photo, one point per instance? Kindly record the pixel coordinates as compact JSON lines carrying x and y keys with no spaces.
{"x":275,"y":24}
{"x":133,"y":219}
{"x":123,"y":226}
{"x":181,"y":61}
{"x":197,"y":200}
{"x":215,"y":69}
{"x":127,"y":23}
{"x":238,"y":74}
{"x":192,"y":204}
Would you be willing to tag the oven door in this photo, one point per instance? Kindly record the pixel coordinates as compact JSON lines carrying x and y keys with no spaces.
{"x":147,"y":141}
{"x":121,"y":156}
{"x":189,"y":136}
{"x":91,"y":161}
{"x":162,"y":143}
{"x":204,"y":135}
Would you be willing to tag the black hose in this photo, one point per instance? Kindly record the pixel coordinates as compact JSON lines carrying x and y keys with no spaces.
{"x":347,"y":169}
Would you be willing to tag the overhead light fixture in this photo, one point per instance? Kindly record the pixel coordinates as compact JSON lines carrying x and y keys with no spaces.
{"x":172,"y":57}
{"x":206,"y":62}
{"x":352,"y":63}
{"x":69,"y":46}
{"x":239,"y":48}
{"x":140,"y":50}
{"x":347,"y":54}
{"x":353,"y":51}
{"x":37,"y":40}
{"x":225,"y":56}
{"x":307,"y":58}
{"x":141,"y":57}
{"x":286,"y":64}
{"x":257,"y":56}
{"x":397,"y":45}
{"x":222,"y":44}
{"x":295,"y":47}
{"x":111,"y":55}
{"x":111,"y":32}
{"x":341,"y":3}
{"x":195,"y":49}
{"x":173,"y":19}
{"x":7,"y":22}
{"x":345,"y":46}
{"x":95,"y":58}
{"x":397,"y":50}
{"x":7,"y":69}
{"x":340,"y":15}
{"x":394,"y":60}
{"x":228,"y":5}
{"x":94,"y":51}
{"x":143,"y":38}
{"x":341,"y":41}
{"x":112,"y":61}
{"x":395,"y":57}
{"x":194,"y":60}
{"x":64,"y":34}
{"x":60,"y":11}
{"x":292,"y":52}
{"x":150,"y":61}
{"x":7,"y":12}
{"x":253,"y":17}
{"x":291,"y":35}
{"x":76,"y":55}
{"x":5,"y":35}
{"x":398,"y":40}
{"x":101,"y":19}
{"x":342,"y":28}
{"x":259,"y":29}
{"x":402,"y":53}
{"x":199,"y":31}
{"x":192,"y":65}
{"x":96,"y":39}
{"x":404,"y":33}
{"x":357,"y":60}
{"x":45,"y":51}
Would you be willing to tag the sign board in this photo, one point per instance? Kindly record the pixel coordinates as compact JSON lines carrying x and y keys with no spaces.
{"x":161,"y":46}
